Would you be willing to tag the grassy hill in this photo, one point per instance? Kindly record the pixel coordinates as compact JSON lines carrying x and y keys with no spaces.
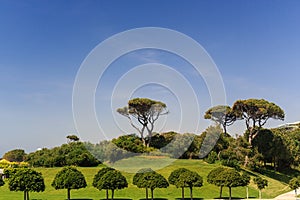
{"x":130,"y":165}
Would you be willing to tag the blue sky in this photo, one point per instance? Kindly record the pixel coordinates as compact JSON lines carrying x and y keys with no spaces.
{"x":255,"y":45}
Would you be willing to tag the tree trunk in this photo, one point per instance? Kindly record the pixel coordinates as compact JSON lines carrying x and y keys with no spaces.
{"x":224,"y":128}
{"x":229,"y":193}
{"x":106,"y":194}
{"x":69,"y":194}
{"x":259,"y":194}
{"x":25,"y":197}
{"x":247,"y":192}
{"x":112,"y":194}
{"x":151,"y":193}
{"x":147,"y":193}
{"x":27,"y":194}
{"x":182,"y":193}
{"x":144,"y":142}
{"x":191,"y":192}
{"x":221,"y":188}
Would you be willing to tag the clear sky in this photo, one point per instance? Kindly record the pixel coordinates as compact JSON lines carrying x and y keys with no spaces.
{"x":255,"y":45}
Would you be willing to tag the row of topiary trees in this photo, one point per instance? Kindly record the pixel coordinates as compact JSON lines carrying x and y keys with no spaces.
{"x":29,"y":180}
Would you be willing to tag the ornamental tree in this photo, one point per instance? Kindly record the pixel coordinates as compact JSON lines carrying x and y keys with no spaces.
{"x":26,"y":180}
{"x":227,"y":177}
{"x":260,"y":183}
{"x":69,"y":178}
{"x":190,"y":179}
{"x":174,"y":177}
{"x":212,"y":178}
{"x":144,"y":112}
{"x":111,"y":180}
{"x":150,"y":179}
{"x":98,"y":177}
{"x":222,"y":115}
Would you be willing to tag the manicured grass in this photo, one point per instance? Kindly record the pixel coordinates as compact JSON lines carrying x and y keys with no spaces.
{"x":128,"y":166}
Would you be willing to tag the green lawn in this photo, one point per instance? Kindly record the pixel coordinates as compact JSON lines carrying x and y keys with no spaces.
{"x":129,"y":165}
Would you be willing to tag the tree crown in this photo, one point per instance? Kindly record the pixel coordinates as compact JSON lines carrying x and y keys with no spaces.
{"x":69,"y":178}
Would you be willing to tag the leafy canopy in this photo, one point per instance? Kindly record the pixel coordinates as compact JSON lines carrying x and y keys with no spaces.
{"x":69,"y":178}
{"x":26,"y":180}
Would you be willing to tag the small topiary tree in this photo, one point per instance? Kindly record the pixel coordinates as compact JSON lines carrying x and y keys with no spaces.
{"x":109,"y":179}
{"x":98,"y":177}
{"x":261,"y":184}
{"x":227,"y":177}
{"x":212,"y":178}
{"x":190,"y":179}
{"x":173,"y":179}
{"x":150,"y":179}
{"x":69,"y":178}
{"x":26,"y":180}
{"x":138,"y":176}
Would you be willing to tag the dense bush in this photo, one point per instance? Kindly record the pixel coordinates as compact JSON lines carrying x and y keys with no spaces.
{"x":16,"y":155}
{"x":74,"y":153}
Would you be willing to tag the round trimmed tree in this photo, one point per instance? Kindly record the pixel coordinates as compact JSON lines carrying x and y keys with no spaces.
{"x":98,"y":177}
{"x":111,"y":180}
{"x":183,"y":177}
{"x":227,"y":177}
{"x":26,"y":180}
{"x":174,"y":179}
{"x":190,"y":179}
{"x":150,"y":180}
{"x":69,"y":178}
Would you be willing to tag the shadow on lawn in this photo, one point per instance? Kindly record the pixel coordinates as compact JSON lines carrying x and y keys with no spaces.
{"x":234,"y":198}
{"x":116,"y":199}
{"x":189,"y":198}
{"x":155,"y":199}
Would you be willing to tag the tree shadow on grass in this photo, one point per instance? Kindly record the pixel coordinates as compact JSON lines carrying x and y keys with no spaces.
{"x":81,"y":199}
{"x":117,"y":199}
{"x":155,"y":199}
{"x":189,"y":198}
{"x":234,"y":198}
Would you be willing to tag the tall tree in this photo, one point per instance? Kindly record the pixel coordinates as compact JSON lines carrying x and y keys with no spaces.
{"x":112,"y":180}
{"x":16,"y":155}
{"x":69,"y":178}
{"x":260,"y":183}
{"x":72,"y":138}
{"x":98,"y":177}
{"x":151,"y":179}
{"x":145,"y":112}
{"x":26,"y":180}
{"x":222,"y":115}
{"x":256,"y":112}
